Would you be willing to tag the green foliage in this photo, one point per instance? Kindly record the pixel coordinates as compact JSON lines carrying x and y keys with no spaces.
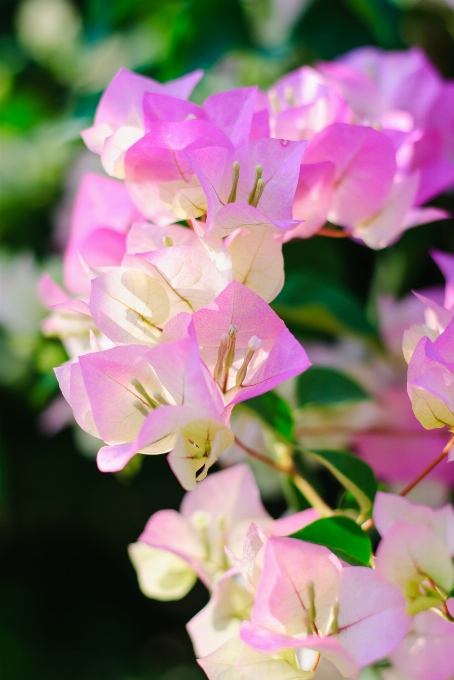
{"x":353,"y":473}
{"x":322,"y":386}
{"x":342,"y":536}
{"x":275,"y":412}
{"x":308,"y":302}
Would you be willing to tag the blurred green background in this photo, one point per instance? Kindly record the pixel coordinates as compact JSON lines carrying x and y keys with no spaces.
{"x":70,"y":605}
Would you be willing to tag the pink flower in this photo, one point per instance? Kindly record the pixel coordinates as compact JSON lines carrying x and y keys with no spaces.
{"x":103,"y":212}
{"x":132,"y":303}
{"x":426,"y":652}
{"x":144,"y":237}
{"x":234,"y":656}
{"x":404,"y":94}
{"x":364,"y":161}
{"x":159,"y":176}
{"x":70,"y":319}
{"x":119,"y":116}
{"x":231,"y":111}
{"x":303,"y":103}
{"x":250,"y":187}
{"x":305,"y":599}
{"x":149,"y":401}
{"x":244,"y":344}
{"x":209,"y":519}
{"x":415,"y":551}
{"x":445,"y":262}
{"x":431,"y":380}
{"x":396,"y":215}
{"x":233,"y":594}
{"x":390,"y":509}
{"x":184,"y":417}
{"x":374,"y":81}
{"x":313,"y":198}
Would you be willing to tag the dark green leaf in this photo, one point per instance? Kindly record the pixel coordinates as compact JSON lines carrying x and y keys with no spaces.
{"x":342,"y":536}
{"x":308,"y":302}
{"x":324,"y":386}
{"x":275,"y":412}
{"x":353,"y":473}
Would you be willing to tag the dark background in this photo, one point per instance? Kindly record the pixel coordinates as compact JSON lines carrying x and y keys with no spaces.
{"x":70,"y":605}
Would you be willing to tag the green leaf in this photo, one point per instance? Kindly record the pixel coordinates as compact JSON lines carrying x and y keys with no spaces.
{"x":381,"y":18}
{"x":342,"y":536}
{"x":353,"y":473}
{"x":307,"y":302}
{"x":275,"y":412}
{"x":324,"y":386}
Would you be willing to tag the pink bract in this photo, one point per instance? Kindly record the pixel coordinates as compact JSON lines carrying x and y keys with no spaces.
{"x":364,"y":161}
{"x":280,"y":355}
{"x":102,"y":214}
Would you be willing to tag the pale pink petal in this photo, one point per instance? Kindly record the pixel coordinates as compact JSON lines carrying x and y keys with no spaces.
{"x":101,"y":203}
{"x":426,"y":652}
{"x":121,"y":103}
{"x":188,"y":275}
{"x":186,"y":463}
{"x":409,"y":550}
{"x":235,"y":657}
{"x":160,"y":157}
{"x":313,"y":198}
{"x":288,"y":525}
{"x":107,"y":380}
{"x":365,"y":164}
{"x":114,"y":458}
{"x":270,"y":641}
{"x":390,"y":509}
{"x":232,"y":112}
{"x":50,"y":292}
{"x":280,"y":355}
{"x":257,"y":262}
{"x":445,"y":261}
{"x":168,"y":530}
{"x":282,"y":600}
{"x":220,"y":619}
{"x":129,"y":306}
{"x":144,"y":237}
{"x":160,"y":106}
{"x":103,"y":248}
{"x":179,"y":368}
{"x":372,"y":618}
{"x":241,"y":503}
{"x":280,"y":161}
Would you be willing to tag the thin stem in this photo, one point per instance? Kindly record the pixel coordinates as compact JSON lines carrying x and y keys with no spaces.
{"x":429,"y":468}
{"x":301,"y":484}
{"x":317,"y":661}
{"x":446,"y":613}
{"x":260,"y":457}
{"x":334,"y":233}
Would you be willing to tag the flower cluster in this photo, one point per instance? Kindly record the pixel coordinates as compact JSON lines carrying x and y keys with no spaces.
{"x":171,"y":265}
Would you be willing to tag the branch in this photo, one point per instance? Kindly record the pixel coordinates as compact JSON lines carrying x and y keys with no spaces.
{"x":370,"y":522}
{"x":301,"y":484}
{"x":429,"y":468}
